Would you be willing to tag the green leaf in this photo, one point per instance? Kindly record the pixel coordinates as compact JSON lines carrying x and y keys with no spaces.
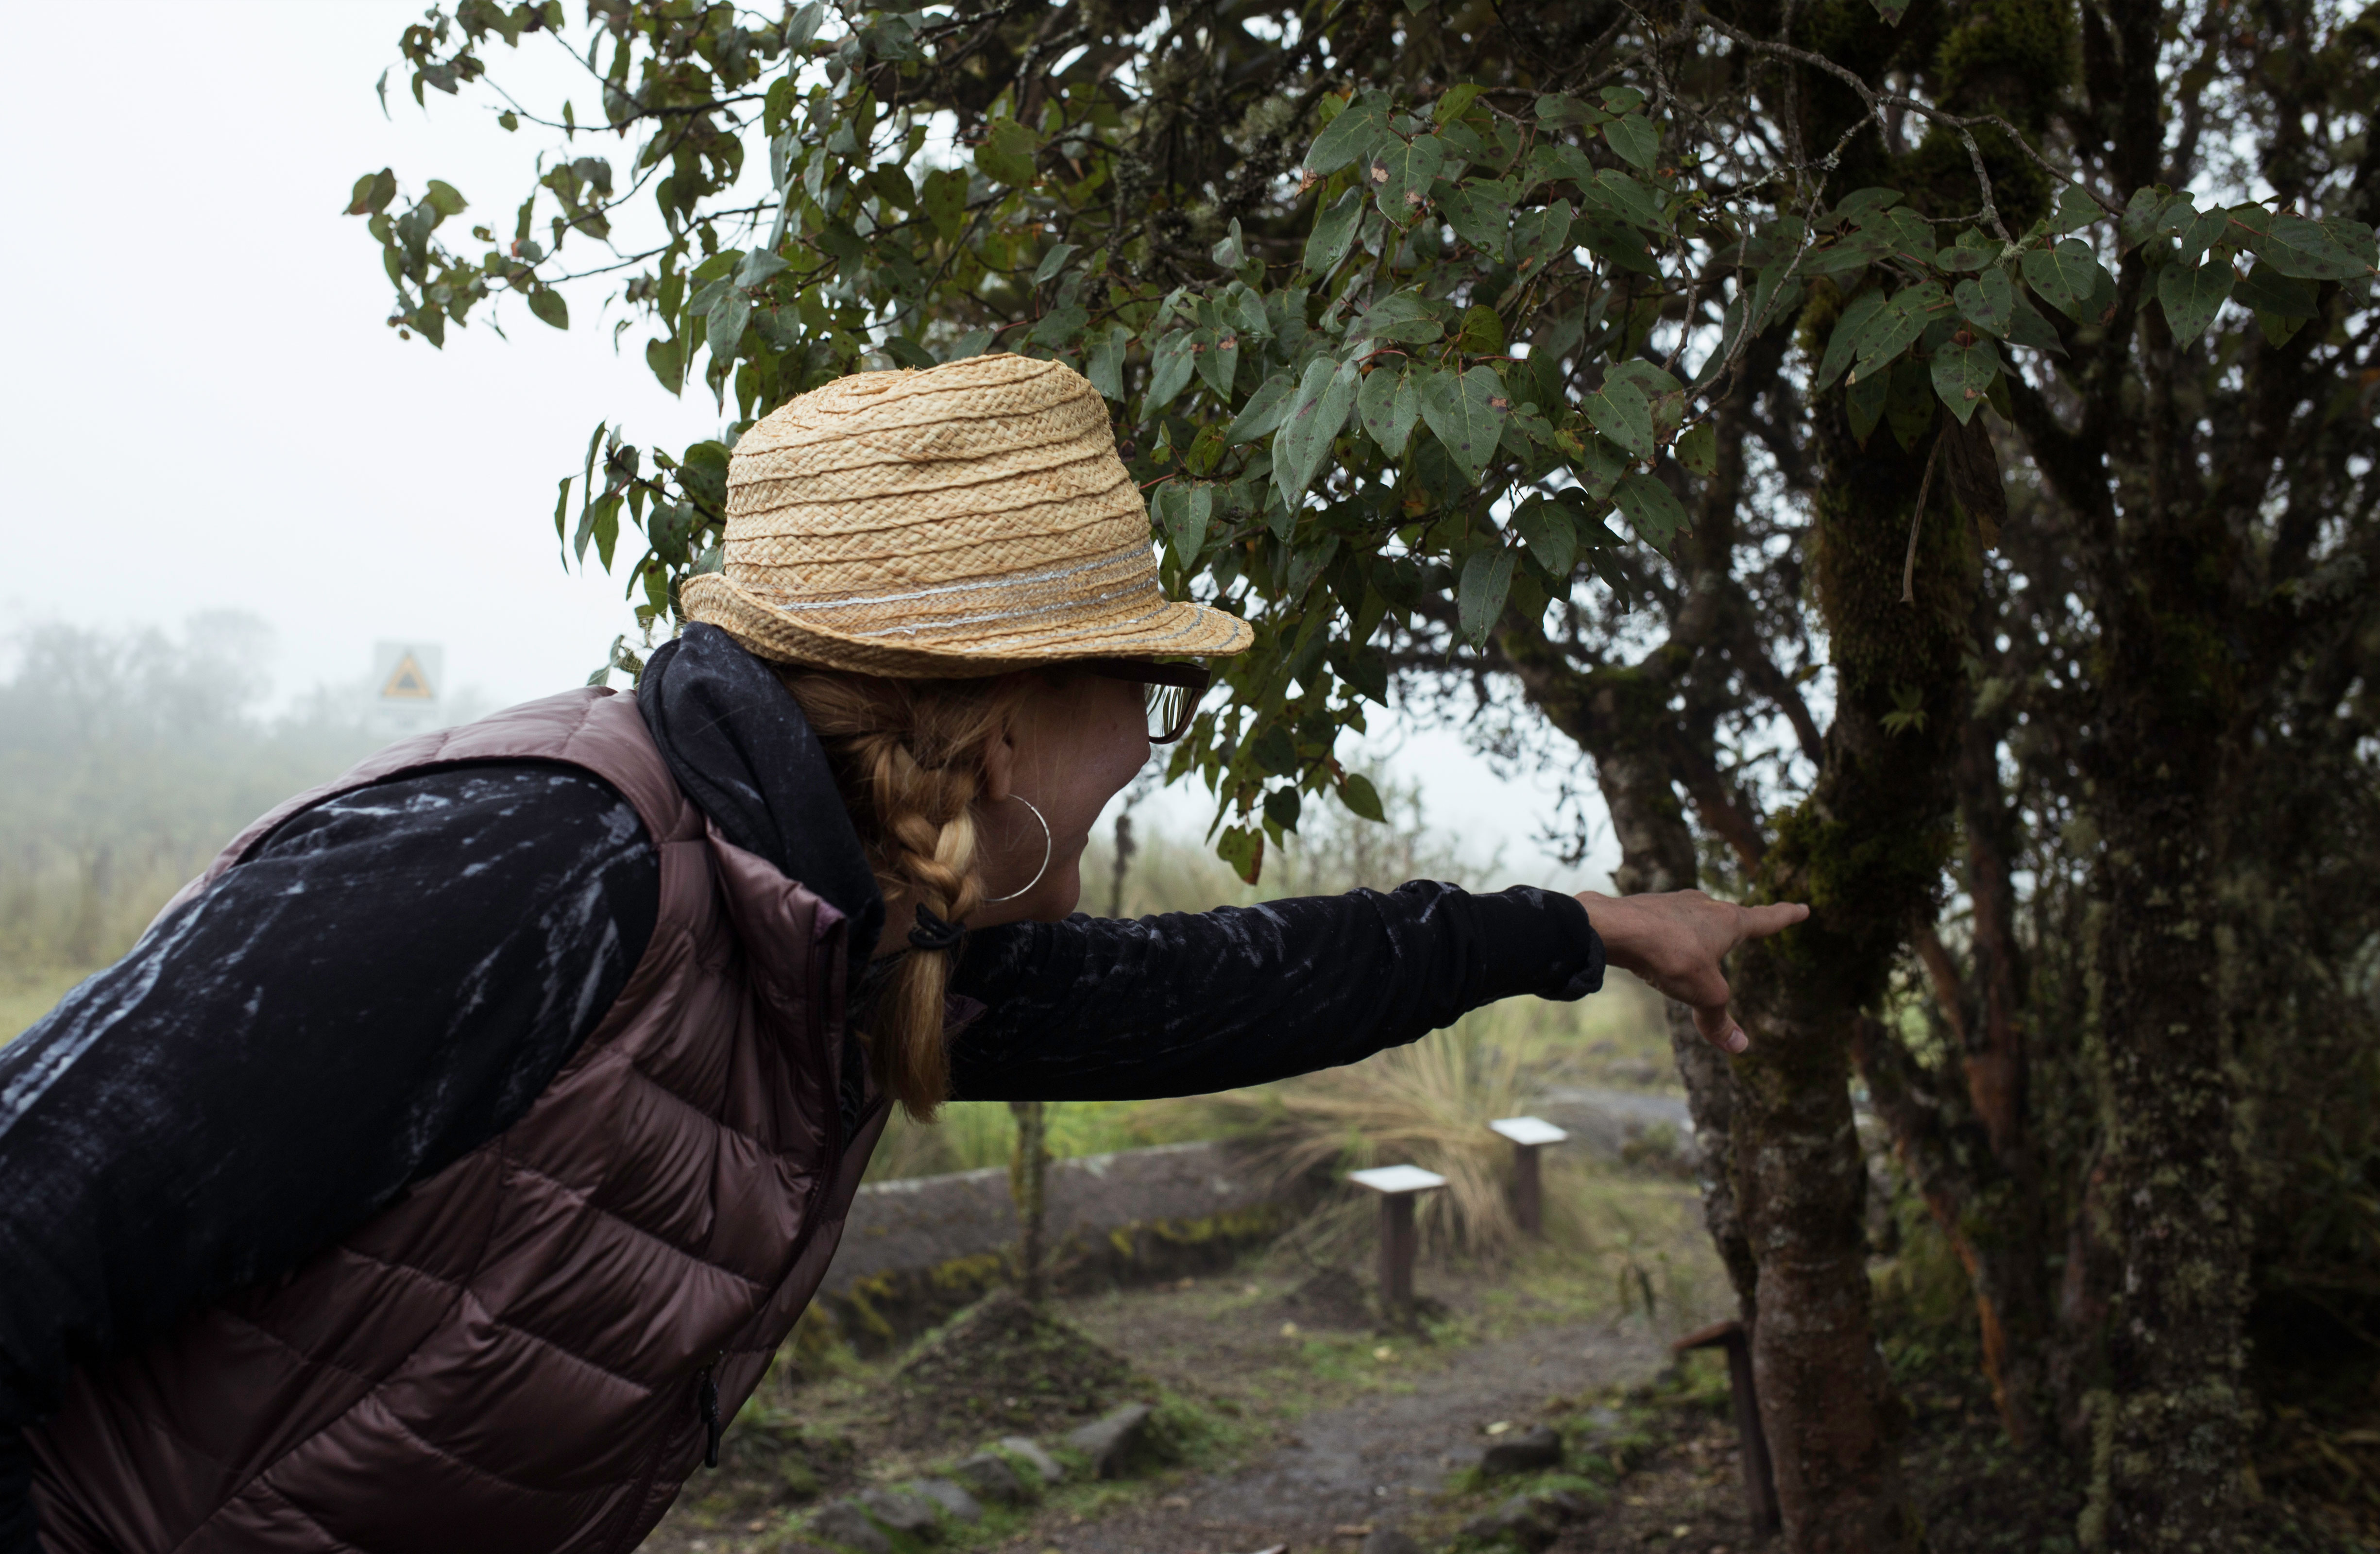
{"x":758,"y":266}
{"x":1361,"y":798}
{"x":1218,"y":359}
{"x":2268,"y":290}
{"x":1243,"y":848}
{"x":1546,"y":527}
{"x":2205,"y":229}
{"x":1351,"y":135}
{"x":1892,"y":11}
{"x":1614,"y":242}
{"x":667,"y":358}
{"x":1625,"y":197}
{"x":1634,"y":139}
{"x":2308,"y":250}
{"x":1282,"y":806}
{"x":1456,"y":102}
{"x":1265,"y":410}
{"x":1334,"y":232}
{"x":1962,"y":375}
{"x":1054,"y":261}
{"x":1842,"y":345}
{"x":1007,"y":152}
{"x":1971,"y":251}
{"x":2066,"y":277}
{"x":1864,"y":403}
{"x":2075,"y":211}
{"x":1698,"y":449}
{"x":1061,"y":326}
{"x":1620,"y":410}
{"x":1468,"y":413}
{"x":1400,"y":172}
{"x":1650,"y":509}
{"x":372,"y":192}
{"x":1400,"y":315}
{"x":549,"y":307}
{"x":1539,"y":235}
{"x":944,"y":197}
{"x":1190,"y":511}
{"x":1169,"y":372}
{"x":1105,"y":368}
{"x":2150,"y":212}
{"x":1989,"y":301}
{"x":723,"y":329}
{"x":1303,"y":442}
{"x":1388,"y":404}
{"x":1909,"y":401}
{"x":1479,"y":597}
{"x":2192,"y":295}
{"x":2027,"y":326}
{"x":446,"y":199}
{"x":1479,"y":213}
{"x":1895,"y":329}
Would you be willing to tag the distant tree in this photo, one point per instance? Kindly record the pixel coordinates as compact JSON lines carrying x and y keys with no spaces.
{"x":1398,"y":306}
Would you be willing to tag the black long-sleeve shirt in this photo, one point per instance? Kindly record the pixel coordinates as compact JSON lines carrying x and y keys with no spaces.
{"x":394,"y":977}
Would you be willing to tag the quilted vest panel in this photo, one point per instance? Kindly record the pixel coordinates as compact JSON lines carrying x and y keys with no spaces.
{"x":507,"y":1358}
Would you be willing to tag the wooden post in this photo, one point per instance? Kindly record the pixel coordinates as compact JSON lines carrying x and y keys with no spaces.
{"x":1398,"y":1186}
{"x":1759,"y":1476}
{"x":1528,"y":1135}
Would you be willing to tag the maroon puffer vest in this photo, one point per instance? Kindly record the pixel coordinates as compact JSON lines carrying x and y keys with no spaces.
{"x":510,"y":1356}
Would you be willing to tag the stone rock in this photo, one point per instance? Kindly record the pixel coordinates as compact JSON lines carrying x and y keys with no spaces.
{"x":1389,"y":1540}
{"x":1110,"y":1441}
{"x":990,"y":1475}
{"x":1566,"y":1505}
{"x":1520,"y":1520}
{"x":1533,"y":1450}
{"x":949,"y":1496}
{"x":1039,"y":1460}
{"x":898,"y":1512}
{"x":845,"y":1523}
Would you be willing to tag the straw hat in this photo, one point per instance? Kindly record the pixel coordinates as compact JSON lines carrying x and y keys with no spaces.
{"x":963,"y":520}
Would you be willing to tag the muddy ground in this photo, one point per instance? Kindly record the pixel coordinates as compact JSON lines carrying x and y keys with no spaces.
{"x":1287,"y":1416}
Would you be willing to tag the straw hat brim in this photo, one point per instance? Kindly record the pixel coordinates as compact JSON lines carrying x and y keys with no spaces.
{"x":1173,"y":630}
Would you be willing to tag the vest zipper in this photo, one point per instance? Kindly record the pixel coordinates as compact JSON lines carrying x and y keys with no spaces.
{"x":707,"y":1397}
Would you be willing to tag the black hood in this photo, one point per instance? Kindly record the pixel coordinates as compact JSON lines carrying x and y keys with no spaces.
{"x":738,"y":743}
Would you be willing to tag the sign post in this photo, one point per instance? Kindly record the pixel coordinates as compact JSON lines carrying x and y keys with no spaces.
{"x":1398,"y":1186}
{"x":1528,"y":1135}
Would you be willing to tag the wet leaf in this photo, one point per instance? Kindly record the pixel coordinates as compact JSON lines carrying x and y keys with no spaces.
{"x":1651,"y":510}
{"x":2192,"y":295}
{"x":1389,"y":404}
{"x":1358,"y":794}
{"x":1264,"y":411}
{"x":1303,"y":442}
{"x":1468,"y":413}
{"x":1479,"y":597}
{"x":1989,"y":301}
{"x":1546,"y":527}
{"x":1620,"y":410}
{"x":1964,"y":373}
{"x":1334,"y":232}
{"x":1351,"y":136}
{"x":2066,"y":277}
{"x":1633,"y":138}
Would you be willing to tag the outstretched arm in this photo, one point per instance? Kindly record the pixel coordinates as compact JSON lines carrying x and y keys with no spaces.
{"x":1186,"y":1003}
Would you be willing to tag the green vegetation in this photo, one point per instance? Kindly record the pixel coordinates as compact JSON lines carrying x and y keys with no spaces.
{"x":129,"y":760}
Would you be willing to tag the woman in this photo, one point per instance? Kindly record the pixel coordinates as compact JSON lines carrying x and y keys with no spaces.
{"x":442,"y":1169}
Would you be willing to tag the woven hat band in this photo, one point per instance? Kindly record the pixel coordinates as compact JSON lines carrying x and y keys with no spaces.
{"x":1117,"y":588}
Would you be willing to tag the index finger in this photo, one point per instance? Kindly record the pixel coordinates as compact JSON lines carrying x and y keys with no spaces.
{"x":1760,"y":922}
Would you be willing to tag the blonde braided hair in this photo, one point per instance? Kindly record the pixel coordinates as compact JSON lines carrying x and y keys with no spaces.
{"x":908,"y":756}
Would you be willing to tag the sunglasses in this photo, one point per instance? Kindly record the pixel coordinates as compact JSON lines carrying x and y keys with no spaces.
{"x":1171,"y":691}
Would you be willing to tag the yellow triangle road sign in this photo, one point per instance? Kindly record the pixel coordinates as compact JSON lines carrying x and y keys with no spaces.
{"x":407,"y":683}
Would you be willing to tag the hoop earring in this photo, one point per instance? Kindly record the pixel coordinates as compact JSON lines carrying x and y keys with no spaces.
{"x":1048,"y":846}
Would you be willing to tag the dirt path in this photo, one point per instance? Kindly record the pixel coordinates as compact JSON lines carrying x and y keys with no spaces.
{"x":1368,"y":1464}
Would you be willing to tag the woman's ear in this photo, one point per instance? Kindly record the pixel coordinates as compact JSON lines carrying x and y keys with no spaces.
{"x":1000,"y":766}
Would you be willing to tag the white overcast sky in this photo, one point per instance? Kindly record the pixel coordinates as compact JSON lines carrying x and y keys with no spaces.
{"x":202,"y":408}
